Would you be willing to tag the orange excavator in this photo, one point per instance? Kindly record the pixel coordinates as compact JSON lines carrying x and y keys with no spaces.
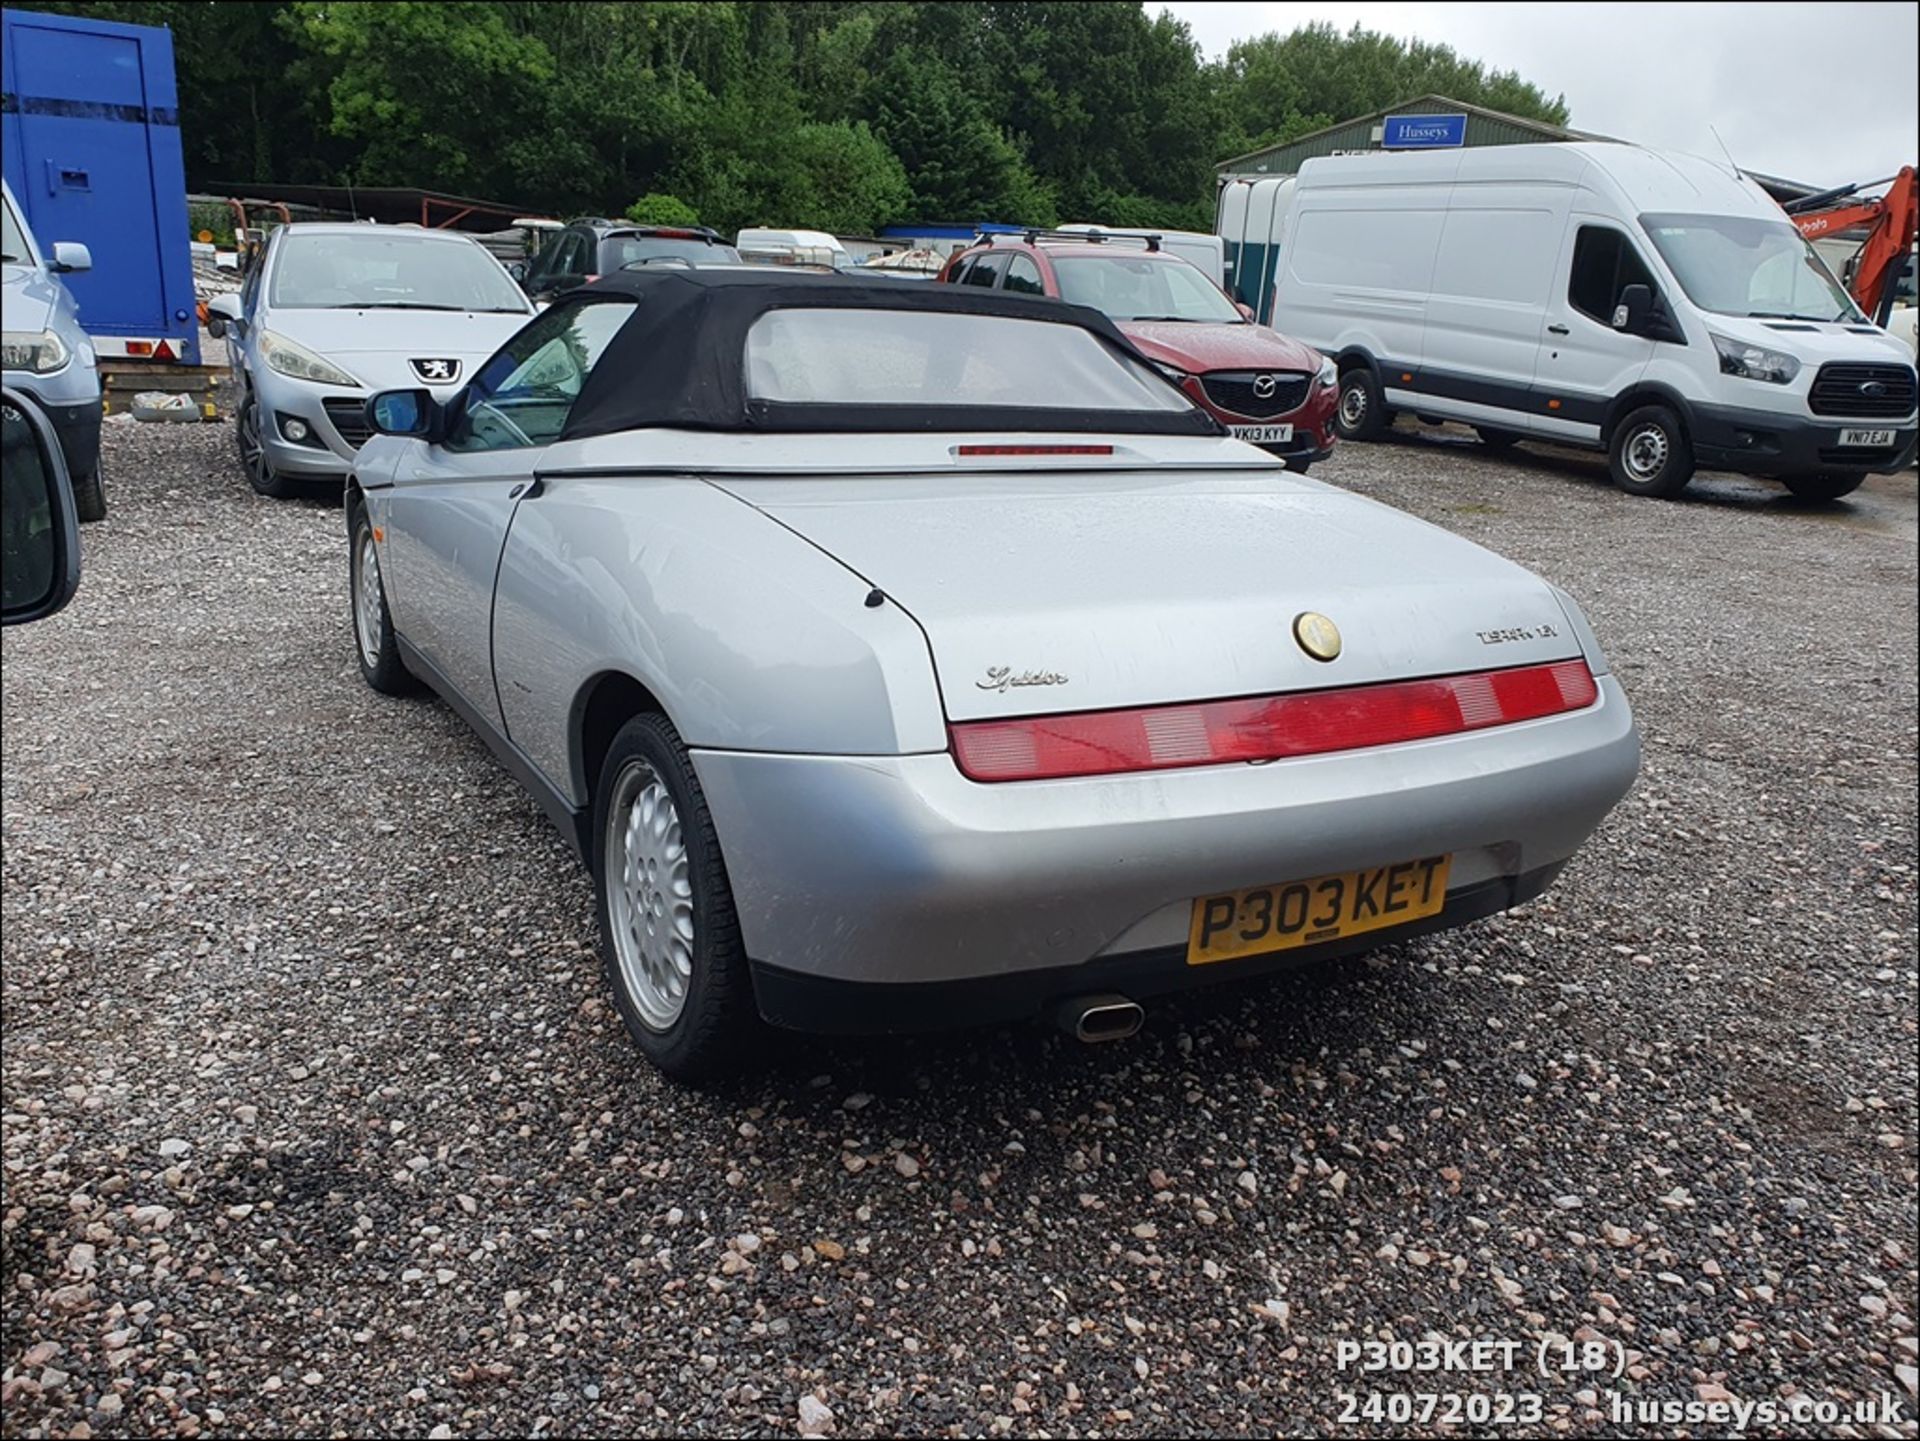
{"x":1893,"y":221}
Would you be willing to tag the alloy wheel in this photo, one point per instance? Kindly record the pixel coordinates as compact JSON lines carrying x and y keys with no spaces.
{"x":366,"y":598}
{"x":649,"y":895}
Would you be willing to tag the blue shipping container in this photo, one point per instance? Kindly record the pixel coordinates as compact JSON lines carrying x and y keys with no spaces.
{"x":91,"y":148}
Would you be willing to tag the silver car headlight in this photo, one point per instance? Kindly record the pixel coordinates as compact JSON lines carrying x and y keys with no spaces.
{"x":1329,"y":372}
{"x":1755,"y":362}
{"x":296,"y":360}
{"x":39,"y":351}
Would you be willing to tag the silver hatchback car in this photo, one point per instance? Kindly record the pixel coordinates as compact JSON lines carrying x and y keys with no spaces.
{"x":332,"y":313}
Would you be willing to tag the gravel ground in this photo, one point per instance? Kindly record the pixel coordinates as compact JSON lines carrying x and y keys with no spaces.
{"x":317,"y":1117}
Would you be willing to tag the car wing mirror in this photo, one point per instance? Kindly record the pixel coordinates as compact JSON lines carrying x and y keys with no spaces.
{"x":1630,"y":315}
{"x":223,"y":311}
{"x":518,"y":270}
{"x":39,"y":521}
{"x":405,"y":412}
{"x":70,"y":256}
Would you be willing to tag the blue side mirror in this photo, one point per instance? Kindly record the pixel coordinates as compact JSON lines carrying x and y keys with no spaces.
{"x":401,"y":412}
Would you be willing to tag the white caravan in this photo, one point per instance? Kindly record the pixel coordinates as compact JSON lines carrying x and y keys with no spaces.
{"x":792,"y":247}
{"x":1658,"y":307}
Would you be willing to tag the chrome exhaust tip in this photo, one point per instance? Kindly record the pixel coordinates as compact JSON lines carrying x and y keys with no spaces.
{"x":1100,"y":1018}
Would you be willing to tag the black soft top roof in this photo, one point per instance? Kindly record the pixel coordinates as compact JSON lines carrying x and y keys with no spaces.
{"x":680,"y":360}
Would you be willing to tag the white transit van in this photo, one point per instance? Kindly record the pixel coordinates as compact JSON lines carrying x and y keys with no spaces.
{"x":1658,"y":307}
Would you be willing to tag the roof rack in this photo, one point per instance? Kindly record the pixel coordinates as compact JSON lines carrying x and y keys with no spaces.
{"x":1091,"y":237}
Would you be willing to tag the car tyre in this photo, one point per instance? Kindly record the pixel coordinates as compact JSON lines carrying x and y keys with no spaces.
{"x":90,"y":495}
{"x":373,"y":641}
{"x":249,"y":437}
{"x":1360,"y":413}
{"x":1493,"y":438}
{"x":670,"y":938}
{"x":1830,"y":486}
{"x":1650,"y":454}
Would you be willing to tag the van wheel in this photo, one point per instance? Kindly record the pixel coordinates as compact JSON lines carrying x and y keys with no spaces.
{"x":1830,"y":486}
{"x":1361,"y":413}
{"x":669,"y":932}
{"x":1649,"y":453}
{"x":1494,"y":438}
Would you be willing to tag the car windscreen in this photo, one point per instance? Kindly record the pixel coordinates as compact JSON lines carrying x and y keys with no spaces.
{"x":1744,"y":265}
{"x":619,"y":251}
{"x":1128,"y":287}
{"x":390,"y":270}
{"x":13,"y":237}
{"x":924,"y":359}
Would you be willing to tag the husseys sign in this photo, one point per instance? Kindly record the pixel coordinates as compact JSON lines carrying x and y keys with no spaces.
{"x":1423,"y":132}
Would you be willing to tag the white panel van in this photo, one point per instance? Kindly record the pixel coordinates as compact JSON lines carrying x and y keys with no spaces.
{"x":1658,"y":307}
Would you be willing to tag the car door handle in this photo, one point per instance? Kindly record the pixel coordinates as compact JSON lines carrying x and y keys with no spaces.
{"x":1558,"y":330}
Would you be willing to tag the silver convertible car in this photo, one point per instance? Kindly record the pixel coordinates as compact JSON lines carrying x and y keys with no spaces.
{"x":902,"y":657}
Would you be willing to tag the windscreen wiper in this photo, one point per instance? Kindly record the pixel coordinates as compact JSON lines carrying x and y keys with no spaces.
{"x":399,"y":305}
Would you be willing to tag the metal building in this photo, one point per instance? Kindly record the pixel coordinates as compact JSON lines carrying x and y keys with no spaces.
{"x":1399,"y":127}
{"x":1477,"y":126}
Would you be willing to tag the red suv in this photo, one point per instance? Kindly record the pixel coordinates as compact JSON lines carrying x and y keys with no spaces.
{"x":1267,"y":389}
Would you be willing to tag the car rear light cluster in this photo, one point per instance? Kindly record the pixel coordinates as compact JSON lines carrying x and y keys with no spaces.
{"x":1267,"y":727}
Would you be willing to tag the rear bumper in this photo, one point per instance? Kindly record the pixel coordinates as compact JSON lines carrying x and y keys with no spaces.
{"x":822,"y":1004}
{"x":897,"y":870}
{"x":1765,"y":442}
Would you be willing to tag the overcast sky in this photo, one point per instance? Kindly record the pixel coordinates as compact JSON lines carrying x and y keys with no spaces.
{"x":1824,"y":93}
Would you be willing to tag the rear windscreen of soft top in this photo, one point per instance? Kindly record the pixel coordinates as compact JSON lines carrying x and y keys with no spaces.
{"x":733,"y":350}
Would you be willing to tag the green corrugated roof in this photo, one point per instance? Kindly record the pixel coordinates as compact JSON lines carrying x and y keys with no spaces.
{"x":1484,"y":127}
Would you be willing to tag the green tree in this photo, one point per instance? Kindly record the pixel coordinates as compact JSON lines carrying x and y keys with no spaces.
{"x":440,"y":96}
{"x":837,"y":113}
{"x":653,"y":208}
{"x":959,"y":163}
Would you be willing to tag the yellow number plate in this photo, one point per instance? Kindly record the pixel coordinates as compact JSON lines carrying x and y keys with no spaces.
{"x":1304,"y":913}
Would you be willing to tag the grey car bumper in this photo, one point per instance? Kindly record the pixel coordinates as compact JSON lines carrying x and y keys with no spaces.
{"x":326,"y":453}
{"x":897,"y":871}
